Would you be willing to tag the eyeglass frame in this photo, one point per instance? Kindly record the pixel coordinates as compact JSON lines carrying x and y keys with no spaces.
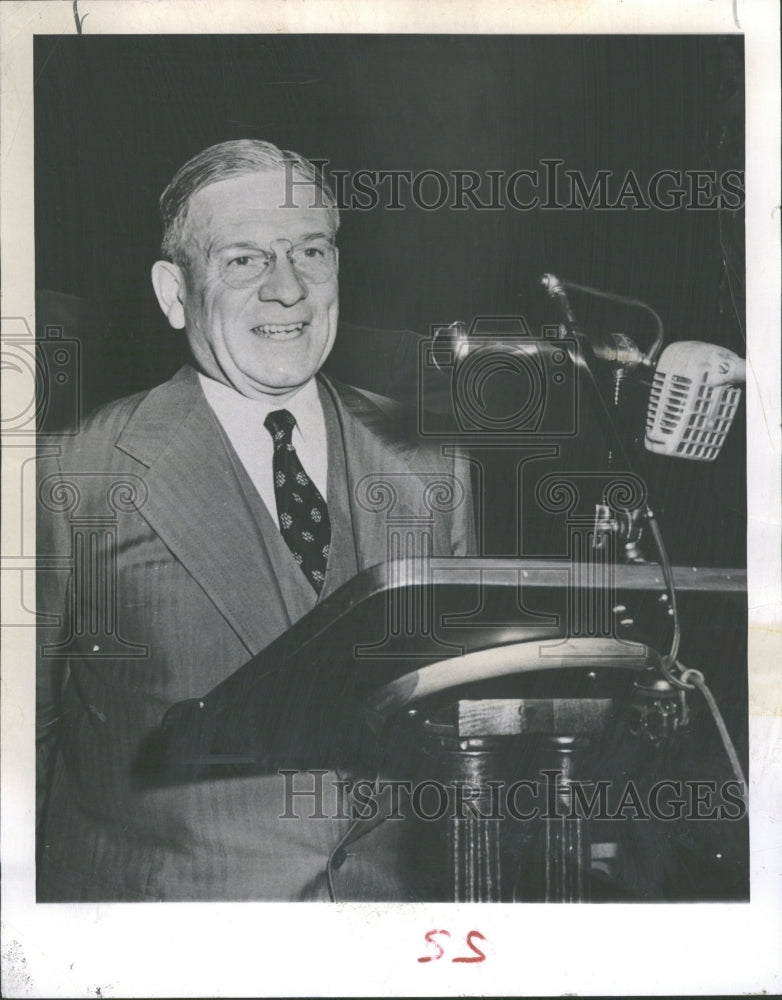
{"x":270,"y":257}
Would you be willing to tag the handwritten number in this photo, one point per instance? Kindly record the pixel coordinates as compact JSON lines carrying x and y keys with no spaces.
{"x":478,"y":955}
{"x":429,"y":937}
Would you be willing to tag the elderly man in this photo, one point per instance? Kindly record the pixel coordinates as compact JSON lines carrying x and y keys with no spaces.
{"x":187,"y":527}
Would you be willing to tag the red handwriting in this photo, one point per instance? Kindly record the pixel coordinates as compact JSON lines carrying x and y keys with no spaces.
{"x":476,"y":956}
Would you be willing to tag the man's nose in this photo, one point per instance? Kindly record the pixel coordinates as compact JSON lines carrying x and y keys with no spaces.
{"x":283,"y":284}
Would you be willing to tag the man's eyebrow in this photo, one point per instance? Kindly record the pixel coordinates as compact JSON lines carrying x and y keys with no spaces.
{"x":216,"y":246}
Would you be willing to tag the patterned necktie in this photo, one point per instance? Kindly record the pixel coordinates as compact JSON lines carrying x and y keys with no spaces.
{"x":301,"y":510}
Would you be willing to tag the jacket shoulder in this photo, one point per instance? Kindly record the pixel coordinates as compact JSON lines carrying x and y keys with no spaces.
{"x":92,"y":440}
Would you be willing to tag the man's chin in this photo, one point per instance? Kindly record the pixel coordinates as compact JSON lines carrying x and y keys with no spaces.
{"x":259,"y":385}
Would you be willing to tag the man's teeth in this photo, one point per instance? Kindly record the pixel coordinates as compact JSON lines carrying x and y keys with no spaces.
{"x":272,"y":329}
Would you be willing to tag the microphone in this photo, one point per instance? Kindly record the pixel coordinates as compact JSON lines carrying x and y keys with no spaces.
{"x":557,"y":292}
{"x":454,"y":343}
{"x":695,"y":389}
{"x":694,"y":397}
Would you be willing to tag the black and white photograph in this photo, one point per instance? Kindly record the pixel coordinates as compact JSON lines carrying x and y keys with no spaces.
{"x":385,"y":480}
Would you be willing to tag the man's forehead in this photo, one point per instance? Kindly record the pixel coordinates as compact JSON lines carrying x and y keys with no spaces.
{"x":275,"y":199}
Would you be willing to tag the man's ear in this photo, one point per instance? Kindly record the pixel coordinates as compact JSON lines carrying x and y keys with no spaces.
{"x":169,"y":284}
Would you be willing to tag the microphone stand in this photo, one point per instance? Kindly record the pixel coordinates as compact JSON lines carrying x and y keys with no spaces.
{"x":653,"y":692}
{"x":556,"y":290}
{"x":620,"y":351}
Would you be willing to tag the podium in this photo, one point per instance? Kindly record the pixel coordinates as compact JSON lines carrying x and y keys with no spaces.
{"x":479,"y":676}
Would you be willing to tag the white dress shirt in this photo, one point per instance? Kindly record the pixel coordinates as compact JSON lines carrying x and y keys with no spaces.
{"x":242,"y":420}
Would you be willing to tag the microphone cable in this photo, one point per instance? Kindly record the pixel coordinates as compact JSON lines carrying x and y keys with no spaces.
{"x":695,"y":679}
{"x":690,"y":679}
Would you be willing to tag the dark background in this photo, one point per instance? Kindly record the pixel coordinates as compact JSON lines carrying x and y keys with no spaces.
{"x":115,"y":116}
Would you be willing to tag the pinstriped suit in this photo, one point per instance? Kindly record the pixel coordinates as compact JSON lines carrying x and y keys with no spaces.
{"x":202,"y":581}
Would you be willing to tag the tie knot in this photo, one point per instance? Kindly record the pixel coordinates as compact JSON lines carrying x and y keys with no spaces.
{"x":280,"y":424}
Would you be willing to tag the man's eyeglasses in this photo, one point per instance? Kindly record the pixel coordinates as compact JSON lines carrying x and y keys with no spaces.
{"x":314,"y":261}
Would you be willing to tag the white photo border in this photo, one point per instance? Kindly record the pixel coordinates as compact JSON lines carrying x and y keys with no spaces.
{"x":251,"y":949}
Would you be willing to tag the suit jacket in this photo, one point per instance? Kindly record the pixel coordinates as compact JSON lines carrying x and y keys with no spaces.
{"x":160,"y":573}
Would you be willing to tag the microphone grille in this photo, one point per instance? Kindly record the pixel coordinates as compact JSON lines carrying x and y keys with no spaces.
{"x":688,"y":416}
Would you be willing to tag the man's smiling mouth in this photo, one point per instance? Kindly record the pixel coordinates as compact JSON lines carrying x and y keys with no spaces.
{"x":278,"y":331}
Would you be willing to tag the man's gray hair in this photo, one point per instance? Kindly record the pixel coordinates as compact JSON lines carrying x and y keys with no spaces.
{"x":232,"y":159}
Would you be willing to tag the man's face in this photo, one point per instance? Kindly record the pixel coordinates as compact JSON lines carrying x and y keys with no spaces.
{"x":270,"y":335}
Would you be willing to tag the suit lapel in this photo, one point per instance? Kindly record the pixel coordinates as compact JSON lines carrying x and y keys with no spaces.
{"x":196,"y":505}
{"x":373,"y":455}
